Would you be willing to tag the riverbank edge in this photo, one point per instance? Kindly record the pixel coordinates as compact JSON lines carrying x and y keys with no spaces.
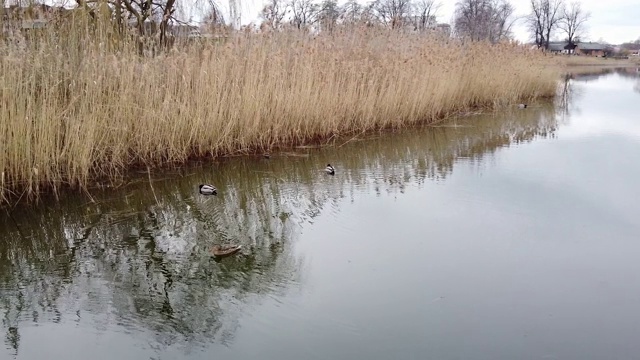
{"x":48,"y":192}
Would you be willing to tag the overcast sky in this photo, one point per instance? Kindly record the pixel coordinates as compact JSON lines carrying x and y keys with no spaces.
{"x":614,"y":21}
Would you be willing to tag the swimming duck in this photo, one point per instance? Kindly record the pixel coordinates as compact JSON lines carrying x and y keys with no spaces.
{"x":208,"y":190}
{"x":330,"y":170}
{"x":522,"y":106}
{"x":226,"y":250}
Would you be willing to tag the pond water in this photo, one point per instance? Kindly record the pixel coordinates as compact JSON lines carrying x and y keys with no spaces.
{"x":505,"y":236}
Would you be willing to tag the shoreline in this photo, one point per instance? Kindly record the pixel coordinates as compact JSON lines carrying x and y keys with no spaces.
{"x":140,"y":183}
{"x":135,"y":171}
{"x":585,"y":61}
{"x":99,"y":115}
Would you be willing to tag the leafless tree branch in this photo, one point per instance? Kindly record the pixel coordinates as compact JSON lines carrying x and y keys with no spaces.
{"x":573,"y":21}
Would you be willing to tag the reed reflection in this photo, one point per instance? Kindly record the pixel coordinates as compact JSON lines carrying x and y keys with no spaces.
{"x":138,"y":255}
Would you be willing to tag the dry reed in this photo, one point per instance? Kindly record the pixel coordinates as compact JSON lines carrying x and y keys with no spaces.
{"x":78,"y":109}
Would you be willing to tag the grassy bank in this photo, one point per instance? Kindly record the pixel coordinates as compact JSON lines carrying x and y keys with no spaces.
{"x":580,"y":61}
{"x":585,"y":65}
{"x":77,"y":109}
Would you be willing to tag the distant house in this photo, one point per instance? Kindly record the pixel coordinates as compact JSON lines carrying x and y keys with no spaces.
{"x":560,"y":47}
{"x":184,"y":31}
{"x":444,"y":29}
{"x":28,"y":24}
{"x":415,"y":23}
{"x":33,"y":17}
{"x":579,"y":48}
{"x":592,"y":49}
{"x":32,"y":12}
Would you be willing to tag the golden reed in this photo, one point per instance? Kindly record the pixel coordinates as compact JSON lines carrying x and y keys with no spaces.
{"x":75,"y":107}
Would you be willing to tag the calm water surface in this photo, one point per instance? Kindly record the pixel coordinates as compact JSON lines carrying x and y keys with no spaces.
{"x":512,"y":236}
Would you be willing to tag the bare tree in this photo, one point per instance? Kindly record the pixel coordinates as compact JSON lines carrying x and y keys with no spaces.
{"x":214,"y":19}
{"x":489,"y":20}
{"x":273,"y":13}
{"x":351,"y":13}
{"x":503,"y":20}
{"x":472,"y":18}
{"x":328,"y":15}
{"x":151,"y":17}
{"x":544,"y":19}
{"x":156,"y":21}
{"x":573,"y":21}
{"x":305,"y":13}
{"x":234,"y":14}
{"x":369,"y":16}
{"x":535,"y":24}
{"x":426,"y":12}
{"x":393,"y":13}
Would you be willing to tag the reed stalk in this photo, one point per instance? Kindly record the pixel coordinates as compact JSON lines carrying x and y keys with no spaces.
{"x":77,"y":105}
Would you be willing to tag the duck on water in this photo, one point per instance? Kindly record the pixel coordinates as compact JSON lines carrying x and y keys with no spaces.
{"x":219,"y":251}
{"x":330,"y":170}
{"x":224,"y":250}
{"x":208,"y":189}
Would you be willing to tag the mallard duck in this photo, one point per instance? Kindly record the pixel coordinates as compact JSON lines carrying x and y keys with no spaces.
{"x":330,"y":170}
{"x":522,"y":106}
{"x":226,"y":250}
{"x":208,"y":190}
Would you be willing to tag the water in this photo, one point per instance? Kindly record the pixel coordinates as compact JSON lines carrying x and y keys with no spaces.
{"x":511,"y":236}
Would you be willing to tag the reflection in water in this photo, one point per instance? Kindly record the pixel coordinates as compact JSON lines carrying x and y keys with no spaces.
{"x":135,"y":260}
{"x":566,"y":95}
{"x":570,"y":94}
{"x":143,"y":263}
{"x":592,"y":73}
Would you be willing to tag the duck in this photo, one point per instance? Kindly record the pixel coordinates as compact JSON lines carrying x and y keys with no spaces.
{"x":208,"y":189}
{"x":226,"y":250}
{"x":330,"y":170}
{"x":522,"y":106}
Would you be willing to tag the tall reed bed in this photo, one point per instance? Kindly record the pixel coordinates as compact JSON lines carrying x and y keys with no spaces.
{"x":77,"y":106}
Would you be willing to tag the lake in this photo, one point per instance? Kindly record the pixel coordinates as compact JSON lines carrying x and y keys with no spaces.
{"x":511,"y":235}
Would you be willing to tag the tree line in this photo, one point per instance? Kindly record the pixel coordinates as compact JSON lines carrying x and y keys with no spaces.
{"x":549,"y":16}
{"x":418,"y":15}
{"x":475,"y":20}
{"x":493,"y":20}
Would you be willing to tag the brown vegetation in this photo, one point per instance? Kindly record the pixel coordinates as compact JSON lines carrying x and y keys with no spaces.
{"x":76,"y":105}
{"x":597,"y":61}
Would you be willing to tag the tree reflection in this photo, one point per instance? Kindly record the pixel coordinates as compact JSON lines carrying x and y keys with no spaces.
{"x":569,"y":93}
{"x":139,"y":257}
{"x":592,"y":73}
{"x":143,"y":262}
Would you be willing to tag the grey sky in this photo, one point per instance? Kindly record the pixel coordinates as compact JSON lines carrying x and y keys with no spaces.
{"x":615,"y":21}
